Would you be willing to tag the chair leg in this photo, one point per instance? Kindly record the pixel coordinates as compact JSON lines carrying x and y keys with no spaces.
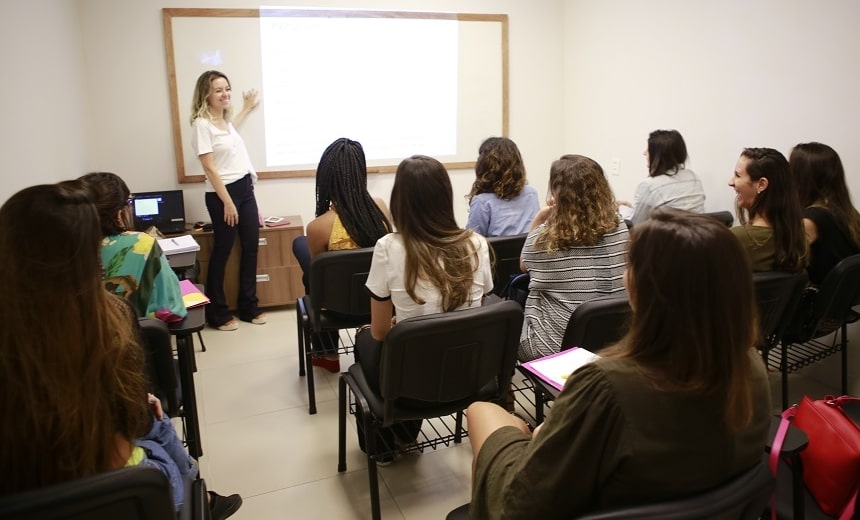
{"x":312,"y":398}
{"x":200,"y":337}
{"x":783,"y":364}
{"x":300,"y":332}
{"x":844,"y":359}
{"x":341,"y":424}
{"x":538,"y":406}
{"x":458,"y":428}
{"x":372,"y":476}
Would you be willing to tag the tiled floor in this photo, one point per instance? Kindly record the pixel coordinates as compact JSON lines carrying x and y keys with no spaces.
{"x":259,"y":441}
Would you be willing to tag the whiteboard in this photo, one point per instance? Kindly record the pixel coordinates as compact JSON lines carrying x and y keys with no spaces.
{"x":232,"y":41}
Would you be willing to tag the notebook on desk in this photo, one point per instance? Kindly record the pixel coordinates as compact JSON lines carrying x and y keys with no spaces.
{"x":191,"y":295}
{"x":163,"y":209}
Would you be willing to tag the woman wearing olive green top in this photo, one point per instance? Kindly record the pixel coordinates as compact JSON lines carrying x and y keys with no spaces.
{"x":769,"y":211}
{"x":678,"y":406}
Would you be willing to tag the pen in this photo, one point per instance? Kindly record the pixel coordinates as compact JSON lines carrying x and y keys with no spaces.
{"x":174,"y":241}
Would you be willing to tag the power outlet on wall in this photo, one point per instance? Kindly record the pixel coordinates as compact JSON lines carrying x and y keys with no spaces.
{"x":615,"y":167}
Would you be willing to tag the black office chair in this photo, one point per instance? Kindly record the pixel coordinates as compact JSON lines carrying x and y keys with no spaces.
{"x":338,"y":300}
{"x":819,"y":327}
{"x":161,"y":366}
{"x":136,"y":493}
{"x":444,"y":361}
{"x":598,"y":322}
{"x":593,"y":325}
{"x":777,"y":296}
{"x":506,"y":252}
{"x":725,"y":217}
{"x":518,"y":289}
{"x":741,"y":498}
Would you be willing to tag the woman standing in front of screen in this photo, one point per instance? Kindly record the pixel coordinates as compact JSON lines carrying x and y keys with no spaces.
{"x":230,"y":180}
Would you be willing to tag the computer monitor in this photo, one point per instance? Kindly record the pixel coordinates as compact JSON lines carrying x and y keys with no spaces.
{"x":163,"y":209}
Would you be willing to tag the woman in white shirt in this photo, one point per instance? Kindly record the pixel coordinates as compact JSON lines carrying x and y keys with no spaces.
{"x":230,"y":180}
{"x":429,"y":265}
{"x":669,"y":183}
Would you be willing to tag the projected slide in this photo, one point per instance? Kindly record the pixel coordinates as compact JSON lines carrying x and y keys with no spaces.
{"x":335,"y":77}
{"x":401,"y":83}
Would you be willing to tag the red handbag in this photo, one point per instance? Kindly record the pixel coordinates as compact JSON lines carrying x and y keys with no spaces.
{"x":831,"y":461}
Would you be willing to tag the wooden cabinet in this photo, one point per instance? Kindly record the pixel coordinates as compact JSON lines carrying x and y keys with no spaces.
{"x":279,"y":276}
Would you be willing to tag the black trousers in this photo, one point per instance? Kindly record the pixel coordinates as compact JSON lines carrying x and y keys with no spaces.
{"x":248,"y":229}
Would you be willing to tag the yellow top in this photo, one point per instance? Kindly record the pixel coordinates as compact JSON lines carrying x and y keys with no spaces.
{"x":137,"y":456}
{"x":339,"y":238}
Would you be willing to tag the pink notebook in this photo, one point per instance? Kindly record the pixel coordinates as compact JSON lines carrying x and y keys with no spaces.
{"x":556,"y":368}
{"x":191,"y":295}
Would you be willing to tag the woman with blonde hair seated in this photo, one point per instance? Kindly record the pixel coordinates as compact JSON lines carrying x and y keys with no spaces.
{"x":681,"y":404}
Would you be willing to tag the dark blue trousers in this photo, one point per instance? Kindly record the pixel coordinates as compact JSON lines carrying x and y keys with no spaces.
{"x":248,"y":228}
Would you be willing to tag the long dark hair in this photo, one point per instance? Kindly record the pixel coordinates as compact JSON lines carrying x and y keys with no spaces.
{"x":667,"y":152}
{"x":499,"y":169}
{"x":437,"y":250}
{"x":694,"y":313}
{"x":109,"y":194}
{"x":820,"y":180}
{"x":779,"y":205}
{"x":342,"y":184}
{"x":71,"y":371}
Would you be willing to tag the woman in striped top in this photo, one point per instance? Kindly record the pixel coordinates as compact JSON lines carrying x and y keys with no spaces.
{"x":574,"y":252}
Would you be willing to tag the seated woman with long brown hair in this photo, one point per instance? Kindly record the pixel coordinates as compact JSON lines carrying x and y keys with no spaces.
{"x":679,"y":405}
{"x":72,"y":378}
{"x":429,"y":265}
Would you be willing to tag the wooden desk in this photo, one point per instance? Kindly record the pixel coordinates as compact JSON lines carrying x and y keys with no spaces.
{"x":279,"y":276}
{"x":184,"y":333}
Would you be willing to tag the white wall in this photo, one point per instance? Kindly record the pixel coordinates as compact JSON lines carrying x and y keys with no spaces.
{"x":130,"y":122}
{"x":42,"y":138}
{"x":727,"y":75}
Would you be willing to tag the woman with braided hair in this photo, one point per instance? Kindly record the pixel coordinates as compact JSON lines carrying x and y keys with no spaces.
{"x":347,"y":217}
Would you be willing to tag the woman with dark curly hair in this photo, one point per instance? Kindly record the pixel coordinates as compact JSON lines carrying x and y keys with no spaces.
{"x":575,"y":252}
{"x":501,"y":203}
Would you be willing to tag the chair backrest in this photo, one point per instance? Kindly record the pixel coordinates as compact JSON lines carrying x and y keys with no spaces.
{"x":518,"y":289}
{"x":160,"y":365}
{"x":741,"y":498}
{"x":822,"y":312}
{"x":337,"y":281}
{"x":838,"y":293}
{"x":450,"y":357}
{"x":777,"y":295}
{"x":506,"y":251}
{"x":598,"y":322}
{"x":136,"y":493}
{"x":725,"y":217}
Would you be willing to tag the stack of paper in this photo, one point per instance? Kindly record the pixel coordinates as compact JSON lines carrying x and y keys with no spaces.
{"x":556,"y":368}
{"x":191,"y":295}
{"x":176,"y":245}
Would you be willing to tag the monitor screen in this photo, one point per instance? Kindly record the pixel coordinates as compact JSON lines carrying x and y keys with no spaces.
{"x":163,"y":209}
